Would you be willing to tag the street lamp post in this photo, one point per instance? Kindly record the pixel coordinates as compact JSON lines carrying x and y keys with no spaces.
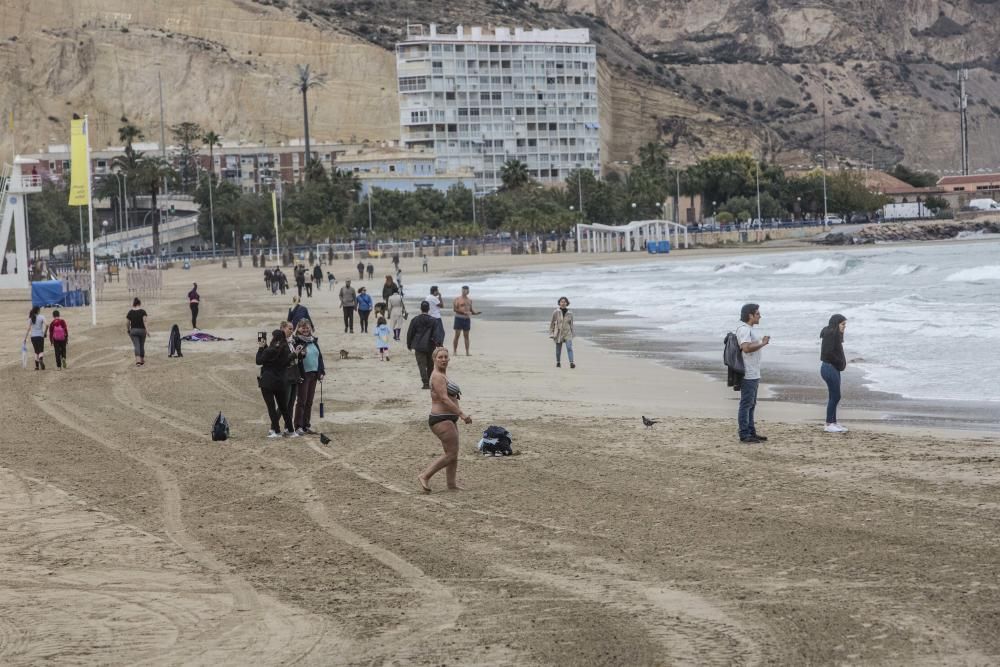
{"x":822,"y":159}
{"x":758,"y":195}
{"x":369,"y":212}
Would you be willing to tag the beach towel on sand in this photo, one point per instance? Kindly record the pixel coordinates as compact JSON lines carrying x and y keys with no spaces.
{"x":203,"y":336}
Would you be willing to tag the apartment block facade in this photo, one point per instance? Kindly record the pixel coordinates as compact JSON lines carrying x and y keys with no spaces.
{"x":477,"y":99}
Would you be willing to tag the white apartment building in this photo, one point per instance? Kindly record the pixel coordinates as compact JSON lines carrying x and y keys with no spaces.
{"x":479,"y":99}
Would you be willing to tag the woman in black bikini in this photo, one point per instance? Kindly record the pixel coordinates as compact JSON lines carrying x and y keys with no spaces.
{"x":443,"y":420}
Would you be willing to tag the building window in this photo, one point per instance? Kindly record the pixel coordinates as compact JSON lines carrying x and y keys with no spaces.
{"x":418,"y":116}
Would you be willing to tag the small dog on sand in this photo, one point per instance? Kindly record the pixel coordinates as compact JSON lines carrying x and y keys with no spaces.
{"x":344,"y":354}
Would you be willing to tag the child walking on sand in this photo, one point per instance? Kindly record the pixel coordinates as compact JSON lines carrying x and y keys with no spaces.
{"x":59,"y":337}
{"x":382,"y":333}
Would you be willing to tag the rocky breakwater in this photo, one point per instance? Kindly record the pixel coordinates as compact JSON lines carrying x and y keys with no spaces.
{"x":913,"y":231}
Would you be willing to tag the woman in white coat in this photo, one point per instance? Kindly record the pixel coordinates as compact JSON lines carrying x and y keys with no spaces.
{"x":396,"y":310}
{"x":561,"y":331}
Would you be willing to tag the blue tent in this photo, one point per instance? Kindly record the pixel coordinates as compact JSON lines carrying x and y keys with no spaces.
{"x":47,"y":293}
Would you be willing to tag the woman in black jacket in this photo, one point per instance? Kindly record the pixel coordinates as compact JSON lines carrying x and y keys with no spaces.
{"x":833,"y":364}
{"x":274,"y":358}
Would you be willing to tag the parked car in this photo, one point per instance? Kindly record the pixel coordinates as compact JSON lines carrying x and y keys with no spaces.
{"x":834,"y":220}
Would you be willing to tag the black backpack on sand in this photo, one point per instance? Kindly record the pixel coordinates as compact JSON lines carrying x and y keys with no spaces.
{"x":220,"y":429}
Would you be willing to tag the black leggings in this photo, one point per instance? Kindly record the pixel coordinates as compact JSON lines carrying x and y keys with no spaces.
{"x":277,"y":406}
{"x":291,"y":393}
{"x":194,"y":316}
{"x":363,"y":317}
{"x":60,"y":347}
{"x":348,"y":318}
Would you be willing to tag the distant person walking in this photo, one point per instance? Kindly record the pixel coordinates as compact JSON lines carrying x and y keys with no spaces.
{"x":311,"y":370}
{"x":331,"y":280}
{"x":267,"y":280}
{"x":298,"y":312}
{"x":36,"y":331}
{"x":348,"y":302}
{"x":361,"y":270}
{"x":300,"y":278}
{"x":371,"y":270}
{"x":421,"y":337}
{"x":397,"y":313}
{"x":193,"y":302}
{"x":273,"y":358}
{"x":318,"y":276}
{"x":59,"y":337}
{"x":307,"y":275}
{"x":436,"y":303}
{"x":833,"y":362}
{"x":751,"y":345}
{"x":443,"y":422}
{"x":462,"y":305}
{"x":562,"y":332}
{"x":137,"y":330}
{"x":365,"y":306}
{"x":423,"y":264}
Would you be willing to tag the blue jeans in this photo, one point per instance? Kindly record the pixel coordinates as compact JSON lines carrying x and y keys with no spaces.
{"x":569,"y":350}
{"x":748,"y":403}
{"x":832,"y":378}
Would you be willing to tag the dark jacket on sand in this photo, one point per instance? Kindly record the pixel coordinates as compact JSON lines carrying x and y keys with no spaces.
{"x":832,"y":349}
{"x":421,"y":336}
{"x":273,"y":362}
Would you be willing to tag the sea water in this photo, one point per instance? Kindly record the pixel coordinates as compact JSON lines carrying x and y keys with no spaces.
{"x":923,"y":321}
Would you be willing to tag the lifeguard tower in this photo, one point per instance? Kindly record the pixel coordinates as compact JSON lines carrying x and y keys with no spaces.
{"x":15,"y":273}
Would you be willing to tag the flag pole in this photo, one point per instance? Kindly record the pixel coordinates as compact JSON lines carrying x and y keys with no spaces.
{"x":277,"y":242}
{"x":90,"y":225}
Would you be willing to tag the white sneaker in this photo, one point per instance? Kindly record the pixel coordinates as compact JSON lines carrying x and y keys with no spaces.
{"x":291,"y":434}
{"x":300,"y":431}
{"x":831,"y":428}
{"x":273,"y":434}
{"x":843,"y":429}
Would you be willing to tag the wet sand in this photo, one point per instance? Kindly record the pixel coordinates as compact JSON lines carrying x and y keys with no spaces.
{"x":131,"y":537}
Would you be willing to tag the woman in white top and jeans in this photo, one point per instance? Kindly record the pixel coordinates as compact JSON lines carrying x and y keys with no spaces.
{"x":37,"y":330}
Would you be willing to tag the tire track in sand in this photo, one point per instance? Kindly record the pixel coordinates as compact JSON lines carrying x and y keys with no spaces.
{"x":689,"y":627}
{"x":257,"y":628}
{"x":439,"y":609}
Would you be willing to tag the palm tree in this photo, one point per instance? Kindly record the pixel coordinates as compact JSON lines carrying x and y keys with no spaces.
{"x":211,"y":139}
{"x":514,"y":174}
{"x":151,"y":174}
{"x":128,"y":133}
{"x":307,"y":79}
{"x":653,"y":156}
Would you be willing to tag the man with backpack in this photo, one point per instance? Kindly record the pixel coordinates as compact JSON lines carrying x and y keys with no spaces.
{"x":422,"y":337}
{"x":750,"y":346}
{"x":59,"y":336}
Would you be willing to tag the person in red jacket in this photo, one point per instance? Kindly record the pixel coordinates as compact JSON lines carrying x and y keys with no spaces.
{"x":59,"y":337}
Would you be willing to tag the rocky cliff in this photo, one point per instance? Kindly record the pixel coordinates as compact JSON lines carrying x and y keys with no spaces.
{"x":870,"y":79}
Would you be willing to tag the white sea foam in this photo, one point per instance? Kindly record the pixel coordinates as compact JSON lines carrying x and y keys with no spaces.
{"x":905,"y":269}
{"x":737,"y":267}
{"x":976,"y":275}
{"x":812,"y":267}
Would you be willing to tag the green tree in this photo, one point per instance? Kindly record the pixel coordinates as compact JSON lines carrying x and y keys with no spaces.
{"x":187,"y":136}
{"x":212,"y":140}
{"x":52,"y":220}
{"x":129,"y":133}
{"x":918,"y":179}
{"x":514,"y":175}
{"x":937,"y":204}
{"x":151,"y":174}
{"x":305,"y":80}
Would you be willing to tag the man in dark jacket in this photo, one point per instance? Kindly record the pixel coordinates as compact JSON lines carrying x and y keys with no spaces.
{"x":361,"y":270}
{"x":422,"y":337}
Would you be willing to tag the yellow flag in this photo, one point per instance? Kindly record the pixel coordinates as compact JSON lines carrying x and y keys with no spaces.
{"x":79,"y":189}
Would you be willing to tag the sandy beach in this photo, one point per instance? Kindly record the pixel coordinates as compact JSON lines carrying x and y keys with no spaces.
{"x":129,"y":536}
